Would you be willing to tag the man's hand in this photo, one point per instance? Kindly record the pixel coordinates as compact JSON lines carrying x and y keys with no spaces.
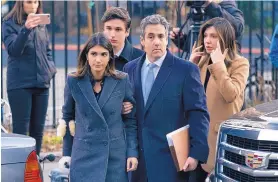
{"x":190,"y":164}
{"x":131,"y":164}
{"x":174,"y":33}
{"x":127,"y":107}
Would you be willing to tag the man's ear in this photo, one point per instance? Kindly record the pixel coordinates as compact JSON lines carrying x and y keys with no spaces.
{"x":142,"y":41}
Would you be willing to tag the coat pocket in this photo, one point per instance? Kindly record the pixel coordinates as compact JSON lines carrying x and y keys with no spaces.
{"x":46,"y":69}
{"x":82,"y":145}
{"x":52,"y":68}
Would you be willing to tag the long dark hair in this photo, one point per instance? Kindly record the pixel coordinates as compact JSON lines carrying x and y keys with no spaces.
{"x":18,"y":13}
{"x":83,"y":66}
{"x":226,"y":35}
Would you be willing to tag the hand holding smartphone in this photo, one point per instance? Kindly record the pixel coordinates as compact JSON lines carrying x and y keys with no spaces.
{"x":34,"y":20}
{"x":43,"y":19}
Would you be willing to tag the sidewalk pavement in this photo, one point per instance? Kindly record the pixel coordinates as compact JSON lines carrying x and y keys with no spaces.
{"x":48,"y":166}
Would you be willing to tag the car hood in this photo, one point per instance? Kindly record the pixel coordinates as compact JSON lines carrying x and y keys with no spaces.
{"x":267,"y":112}
{"x":263,"y":116}
{"x":15,"y":148}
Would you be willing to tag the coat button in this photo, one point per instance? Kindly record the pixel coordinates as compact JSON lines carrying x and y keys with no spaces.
{"x":141,"y":149}
{"x":105,"y":143}
{"x":89,"y":129}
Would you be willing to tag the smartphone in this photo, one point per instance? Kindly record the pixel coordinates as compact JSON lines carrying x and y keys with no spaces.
{"x":44,"y":18}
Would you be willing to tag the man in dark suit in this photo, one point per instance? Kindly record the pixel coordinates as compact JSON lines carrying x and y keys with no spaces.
{"x":117,"y":23}
{"x":169,"y":95}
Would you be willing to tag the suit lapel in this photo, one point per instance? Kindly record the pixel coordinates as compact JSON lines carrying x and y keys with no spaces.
{"x":127,"y":51}
{"x":138,"y":85}
{"x":161,"y":78}
{"x":109,"y":85}
{"x":87,"y":90}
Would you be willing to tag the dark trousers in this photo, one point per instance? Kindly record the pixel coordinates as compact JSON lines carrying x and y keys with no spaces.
{"x":198,"y":175}
{"x":29,"y":107}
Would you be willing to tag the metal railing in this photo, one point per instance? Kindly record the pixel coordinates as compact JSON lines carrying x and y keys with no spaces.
{"x":72,"y":22}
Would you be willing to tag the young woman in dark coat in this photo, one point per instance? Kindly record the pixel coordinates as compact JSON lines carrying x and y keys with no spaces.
{"x":30,"y":68}
{"x":100,"y":143}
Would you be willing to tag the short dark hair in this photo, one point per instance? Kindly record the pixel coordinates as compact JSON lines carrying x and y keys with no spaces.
{"x":117,"y":13}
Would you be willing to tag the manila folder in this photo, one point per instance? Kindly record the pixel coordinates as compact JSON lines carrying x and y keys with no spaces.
{"x":178,"y":142}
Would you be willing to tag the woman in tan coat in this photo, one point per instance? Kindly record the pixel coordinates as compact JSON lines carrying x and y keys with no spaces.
{"x":224,"y":75}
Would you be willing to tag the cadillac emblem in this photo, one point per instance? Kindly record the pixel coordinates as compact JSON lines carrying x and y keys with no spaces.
{"x":255,"y":161}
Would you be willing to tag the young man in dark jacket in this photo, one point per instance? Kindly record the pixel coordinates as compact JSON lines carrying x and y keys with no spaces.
{"x":117,"y":22}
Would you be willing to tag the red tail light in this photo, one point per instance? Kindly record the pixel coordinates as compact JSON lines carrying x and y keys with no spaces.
{"x":32,"y":169}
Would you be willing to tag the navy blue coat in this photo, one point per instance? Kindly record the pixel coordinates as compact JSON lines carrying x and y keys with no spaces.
{"x":177,"y":98}
{"x":103,"y":137}
{"x":129,"y":53}
{"x":30,"y":63}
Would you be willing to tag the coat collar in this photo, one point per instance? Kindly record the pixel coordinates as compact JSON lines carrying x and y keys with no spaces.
{"x":127,"y":51}
{"x":203,"y":65}
{"x":160,"y":80}
{"x":204,"y":60}
{"x":138,"y":86}
{"x":87,"y":90}
{"x":108,"y":87}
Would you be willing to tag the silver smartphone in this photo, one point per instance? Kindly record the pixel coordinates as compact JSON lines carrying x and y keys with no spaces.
{"x":44,"y":18}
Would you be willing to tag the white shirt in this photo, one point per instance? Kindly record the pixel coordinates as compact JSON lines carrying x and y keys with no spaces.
{"x":145,"y":68}
{"x":120,"y":51}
